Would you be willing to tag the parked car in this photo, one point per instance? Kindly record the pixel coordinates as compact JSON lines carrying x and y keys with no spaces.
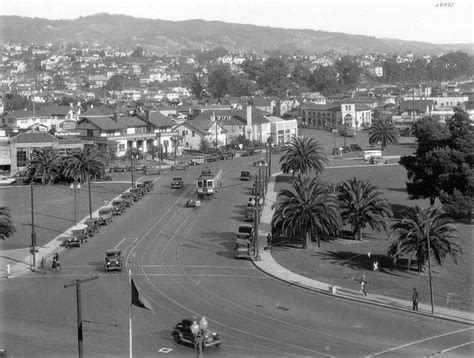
{"x":226,"y":155}
{"x":245,"y":231}
{"x":180,"y":166}
{"x":214,"y":157}
{"x":113,"y":260}
{"x":245,"y":175}
{"x":71,"y":241}
{"x":260,"y":163}
{"x":7,"y":181}
{"x":140,"y":165}
{"x":197,"y":160}
{"x":242,"y":248}
{"x":182,"y":334}
{"x":119,"y":167}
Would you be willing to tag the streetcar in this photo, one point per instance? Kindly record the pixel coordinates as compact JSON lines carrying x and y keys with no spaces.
{"x":208,"y":182}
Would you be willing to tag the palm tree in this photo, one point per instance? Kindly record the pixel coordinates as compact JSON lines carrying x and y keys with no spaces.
{"x":303,"y":155}
{"x":309,"y":208}
{"x":417,"y":227}
{"x":362,"y":205}
{"x":6,"y":225}
{"x":383,"y":131}
{"x":45,"y":163}
{"x":84,"y":164}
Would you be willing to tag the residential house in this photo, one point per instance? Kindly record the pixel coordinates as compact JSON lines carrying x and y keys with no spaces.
{"x":97,"y":81}
{"x":264,"y":104}
{"x":193,"y":132}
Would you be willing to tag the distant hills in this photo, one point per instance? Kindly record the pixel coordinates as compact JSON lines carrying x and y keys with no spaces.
{"x":172,"y":36}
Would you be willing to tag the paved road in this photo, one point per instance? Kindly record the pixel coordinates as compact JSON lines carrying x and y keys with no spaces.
{"x":181,"y":259}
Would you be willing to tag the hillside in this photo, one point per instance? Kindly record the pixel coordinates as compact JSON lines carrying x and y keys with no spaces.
{"x":172,"y":36}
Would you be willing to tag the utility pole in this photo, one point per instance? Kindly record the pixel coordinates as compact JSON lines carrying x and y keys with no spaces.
{"x":78,"y":283}
{"x":33,"y":233}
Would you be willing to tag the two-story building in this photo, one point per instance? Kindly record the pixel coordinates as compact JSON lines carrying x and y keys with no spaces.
{"x":321,"y":116}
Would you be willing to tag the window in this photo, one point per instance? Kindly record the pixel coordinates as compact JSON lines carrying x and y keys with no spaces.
{"x":90,"y":133}
{"x":194,"y":134}
{"x":121,"y":147}
{"x":185,"y":133}
{"x":21,"y":157}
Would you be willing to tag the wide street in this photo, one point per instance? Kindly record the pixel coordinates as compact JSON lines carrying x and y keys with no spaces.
{"x":182,"y":260}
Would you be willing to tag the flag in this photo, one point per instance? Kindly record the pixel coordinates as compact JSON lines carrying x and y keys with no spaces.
{"x":139,"y":299}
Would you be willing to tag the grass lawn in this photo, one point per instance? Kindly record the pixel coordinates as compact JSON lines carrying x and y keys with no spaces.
{"x":53,"y":208}
{"x":341,"y":260}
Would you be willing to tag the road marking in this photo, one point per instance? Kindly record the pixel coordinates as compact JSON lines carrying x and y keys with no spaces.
{"x":125,"y":239}
{"x":165,"y":350}
{"x":459,"y":346}
{"x":419,"y":341}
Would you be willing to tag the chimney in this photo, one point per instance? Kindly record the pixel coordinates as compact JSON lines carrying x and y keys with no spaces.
{"x":147,"y":116}
{"x":249,"y":115}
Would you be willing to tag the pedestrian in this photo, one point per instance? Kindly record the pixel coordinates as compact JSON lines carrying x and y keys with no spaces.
{"x":56,"y":261}
{"x":414,"y":298}
{"x":269,"y":240}
{"x":43,"y":266}
{"x":363,"y":284}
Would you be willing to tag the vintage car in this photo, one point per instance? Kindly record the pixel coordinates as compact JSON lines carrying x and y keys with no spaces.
{"x":226,"y":155}
{"x":197,"y":160}
{"x":7,"y":181}
{"x":214,"y":157}
{"x":193,"y":203}
{"x":245,"y":231}
{"x":245,"y":175}
{"x":128,"y":197}
{"x":177,"y":183}
{"x":113,"y":260}
{"x":242,"y":248}
{"x":119,"y":206}
{"x":106,"y":214}
{"x":119,"y":167}
{"x":149,"y":185}
{"x":182,"y":334}
{"x":249,"y":214}
{"x":180,"y":166}
{"x":70,"y":241}
{"x":260,"y":163}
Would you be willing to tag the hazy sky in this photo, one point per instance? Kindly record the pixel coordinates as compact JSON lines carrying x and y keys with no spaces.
{"x":421,"y":20}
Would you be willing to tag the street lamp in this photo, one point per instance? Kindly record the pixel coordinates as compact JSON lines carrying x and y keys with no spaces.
{"x":75,"y":189}
{"x":334,"y":132}
{"x":198,"y":330}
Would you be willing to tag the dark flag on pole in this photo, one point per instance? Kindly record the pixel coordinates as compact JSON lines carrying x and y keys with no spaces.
{"x":138,"y":299}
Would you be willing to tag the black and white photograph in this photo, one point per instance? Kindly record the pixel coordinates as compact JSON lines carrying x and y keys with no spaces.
{"x":236,"y":178}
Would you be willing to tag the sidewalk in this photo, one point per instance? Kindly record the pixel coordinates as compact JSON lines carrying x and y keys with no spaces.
{"x":267,"y":264}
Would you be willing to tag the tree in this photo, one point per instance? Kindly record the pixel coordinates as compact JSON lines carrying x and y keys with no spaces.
{"x":349,"y":71}
{"x":324,"y":80}
{"x":363,"y":204}
{"x":383,"y":131}
{"x":137,"y":53}
{"x":196,"y":82}
{"x":219,"y":81}
{"x":303,"y":155}
{"x":84,"y":164}
{"x":419,"y":226}
{"x":116,"y":83}
{"x":308,"y":209}
{"x":45,"y":163}
{"x":273,"y":77}
{"x":7,"y":228}
{"x":430,"y":133}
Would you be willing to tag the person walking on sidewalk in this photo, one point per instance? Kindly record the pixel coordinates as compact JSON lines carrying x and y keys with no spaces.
{"x":414,"y":298}
{"x":56,"y":261}
{"x":269,"y":240}
{"x":363,"y":285}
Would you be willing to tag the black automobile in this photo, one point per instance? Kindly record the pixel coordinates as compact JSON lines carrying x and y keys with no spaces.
{"x":182,"y":334}
{"x":113,"y":260}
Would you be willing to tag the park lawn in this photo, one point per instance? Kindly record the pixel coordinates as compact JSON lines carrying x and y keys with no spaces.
{"x":53,"y":209}
{"x":342,"y":260}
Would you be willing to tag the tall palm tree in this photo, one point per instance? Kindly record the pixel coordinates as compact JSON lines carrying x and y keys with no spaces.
{"x":84,"y":164}
{"x":383,"y":131}
{"x":362,"y":205}
{"x":45,"y":162}
{"x":417,"y":227}
{"x":6,"y":225}
{"x":303,"y":155}
{"x":309,"y":208}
